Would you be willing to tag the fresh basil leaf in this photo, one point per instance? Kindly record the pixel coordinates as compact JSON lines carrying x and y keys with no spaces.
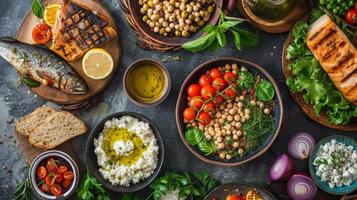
{"x":194,"y":136}
{"x":37,"y":8}
{"x":246,"y":80}
{"x":234,"y":19}
{"x":200,"y":43}
{"x":221,"y":38}
{"x":264,"y":91}
{"x":209,"y":28}
{"x":30,"y":82}
{"x":247,"y":38}
{"x":237,"y":42}
{"x":229,"y":24}
{"x":206,"y":147}
{"x":213,"y":46}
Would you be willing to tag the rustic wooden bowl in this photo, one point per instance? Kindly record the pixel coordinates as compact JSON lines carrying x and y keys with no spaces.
{"x":143,"y":29}
{"x":305,"y":107}
{"x":182,"y":104}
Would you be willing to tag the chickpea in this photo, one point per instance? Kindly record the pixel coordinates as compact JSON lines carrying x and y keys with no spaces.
{"x":243,"y":69}
{"x":150,"y":3}
{"x":162,"y":30}
{"x":208,"y":137}
{"x":156,"y":29}
{"x":236,"y":118}
{"x":216,"y":142}
{"x":253,"y":102}
{"x":219,"y":139}
{"x":235,"y":137}
{"x":145,"y":18}
{"x":233,"y":123}
{"x":224,"y":116}
{"x":235,"y":66}
{"x":201,"y":23}
{"x":247,"y":117}
{"x":221,"y":121}
{"x":266,"y":111}
{"x":229,"y":132}
{"x":222,"y":155}
{"x":240,"y":105}
{"x":243,"y":120}
{"x":232,"y":111}
{"x":220,"y":146}
{"x":235,"y":144}
{"x":238,"y":125}
{"x":241,"y":98}
{"x":228,"y":157}
{"x":142,"y":10}
{"x":247,"y":111}
{"x":210,"y":9}
{"x":218,"y":114}
{"x":240,"y":151}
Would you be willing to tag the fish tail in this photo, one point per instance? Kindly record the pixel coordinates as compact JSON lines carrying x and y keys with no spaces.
{"x":8,"y":39}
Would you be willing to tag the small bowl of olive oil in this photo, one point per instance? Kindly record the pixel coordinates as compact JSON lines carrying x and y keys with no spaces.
{"x":147,"y":82}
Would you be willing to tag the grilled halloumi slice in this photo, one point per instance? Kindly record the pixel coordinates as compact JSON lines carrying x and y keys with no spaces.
{"x":78,"y":30}
{"x":336,"y":54}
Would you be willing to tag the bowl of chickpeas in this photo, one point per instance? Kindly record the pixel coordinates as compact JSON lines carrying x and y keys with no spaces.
{"x":174,"y":22}
{"x":229,"y":111}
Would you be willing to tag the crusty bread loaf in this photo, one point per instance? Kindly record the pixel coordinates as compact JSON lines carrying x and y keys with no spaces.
{"x":336,"y":54}
{"x":57,"y":129}
{"x":28,"y":123}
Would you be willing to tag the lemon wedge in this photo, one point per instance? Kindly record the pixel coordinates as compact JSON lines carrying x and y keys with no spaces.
{"x":50,"y":14}
{"x":97,"y":63}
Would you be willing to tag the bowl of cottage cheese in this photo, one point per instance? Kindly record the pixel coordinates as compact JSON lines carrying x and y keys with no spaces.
{"x":333,"y":165}
{"x":125,"y":152}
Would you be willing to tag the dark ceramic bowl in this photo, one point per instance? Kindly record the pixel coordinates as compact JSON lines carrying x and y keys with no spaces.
{"x":182,"y":104}
{"x":323,"y":185}
{"x":134,"y":8}
{"x":91,"y":157}
{"x":167,"y":86}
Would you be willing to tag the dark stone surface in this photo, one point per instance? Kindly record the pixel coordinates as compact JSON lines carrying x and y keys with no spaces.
{"x":17,"y":101}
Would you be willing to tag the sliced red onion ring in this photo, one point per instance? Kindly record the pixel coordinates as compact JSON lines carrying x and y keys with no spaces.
{"x":301,"y":187}
{"x":282,"y":168}
{"x":301,"y":145}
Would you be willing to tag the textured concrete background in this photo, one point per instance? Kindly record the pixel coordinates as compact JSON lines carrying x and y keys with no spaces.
{"x":17,"y":101}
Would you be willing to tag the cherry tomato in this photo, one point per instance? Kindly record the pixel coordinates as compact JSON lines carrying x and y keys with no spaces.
{"x":44,"y":188}
{"x":209,"y":107}
{"x":230,"y":93}
{"x":219,"y":84}
{"x":59,"y":178}
{"x":229,"y":77}
{"x":194,"y":90}
{"x":204,"y":80}
{"x":56,"y":190}
{"x":196,"y":102}
{"x":351,"y":16}
{"x":68,"y":175}
{"x":41,"y":34}
{"x":41,"y":172}
{"x":218,"y":100}
{"x":208,"y":91}
{"x":215,"y":73}
{"x":62,"y":169}
{"x":233,"y":197}
{"x":189,"y":114}
{"x":49,"y":180}
{"x":204,"y":118}
{"x":51,"y":164}
{"x":66,"y":183}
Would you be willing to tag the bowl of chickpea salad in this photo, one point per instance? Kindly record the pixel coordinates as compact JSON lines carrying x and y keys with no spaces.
{"x":229,"y":111}
{"x":174,"y":22}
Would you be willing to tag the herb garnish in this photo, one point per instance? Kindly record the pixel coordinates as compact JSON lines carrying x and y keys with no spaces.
{"x":194,"y":136}
{"x":37,"y":8}
{"x":91,"y":189}
{"x":23,"y":191}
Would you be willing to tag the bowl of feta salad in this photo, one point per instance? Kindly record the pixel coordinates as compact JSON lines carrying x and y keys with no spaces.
{"x":125,"y":152}
{"x":333,"y":165}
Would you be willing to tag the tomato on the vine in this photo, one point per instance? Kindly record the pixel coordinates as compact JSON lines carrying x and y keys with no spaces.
{"x":196,"y":102}
{"x":41,"y":172}
{"x":204,"y":118}
{"x":351,"y":16}
{"x":208,"y":91}
{"x":205,"y":80}
{"x":218,"y":100}
{"x":189,"y":114}
{"x":219,"y":84}
{"x":229,"y":76}
{"x":42,"y":33}
{"x":230,"y":93}
{"x":194,"y":90}
{"x":208,"y":107}
{"x":215,"y":73}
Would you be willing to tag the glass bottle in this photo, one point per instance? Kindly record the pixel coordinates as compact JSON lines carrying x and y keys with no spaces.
{"x":271,"y":10}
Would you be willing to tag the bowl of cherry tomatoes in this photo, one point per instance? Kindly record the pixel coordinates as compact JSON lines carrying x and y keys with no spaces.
{"x":53,"y":175}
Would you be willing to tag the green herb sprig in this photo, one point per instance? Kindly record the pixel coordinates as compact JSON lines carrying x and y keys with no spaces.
{"x":37,"y":8}
{"x":23,"y":191}
{"x":215,"y":36}
{"x":91,"y":189}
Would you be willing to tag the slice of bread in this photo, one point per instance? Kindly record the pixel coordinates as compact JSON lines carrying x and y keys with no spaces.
{"x":28,"y":123}
{"x":57,"y":129}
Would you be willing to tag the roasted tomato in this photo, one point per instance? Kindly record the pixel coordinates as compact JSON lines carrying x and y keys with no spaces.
{"x":205,"y":80}
{"x":215,"y":73}
{"x":208,"y":107}
{"x":351,"y":16}
{"x":229,"y":77}
{"x":41,"y":172}
{"x":41,"y":34}
{"x":189,"y":114}
{"x":44,"y":188}
{"x":204,"y":118}
{"x":233,"y":197}
{"x":62,"y":169}
{"x":51,"y":164}
{"x":56,"y":190}
{"x":66,"y":183}
{"x":59,"y":177}
{"x":196,"y":102}
{"x":68,"y":175}
{"x":218,"y":100}
{"x":208,"y":91}
{"x":230,"y":93}
{"x":219,"y":84}
{"x":194,"y":90}
{"x":49,"y":180}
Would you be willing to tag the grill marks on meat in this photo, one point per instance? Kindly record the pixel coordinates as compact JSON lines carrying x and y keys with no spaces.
{"x":77,"y":30}
{"x":336,"y":54}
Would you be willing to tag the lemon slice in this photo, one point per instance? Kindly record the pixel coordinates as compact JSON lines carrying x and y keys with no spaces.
{"x":50,"y":14}
{"x":97,"y":63}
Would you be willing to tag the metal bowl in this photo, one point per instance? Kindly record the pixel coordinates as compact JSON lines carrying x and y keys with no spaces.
{"x":43,"y":156}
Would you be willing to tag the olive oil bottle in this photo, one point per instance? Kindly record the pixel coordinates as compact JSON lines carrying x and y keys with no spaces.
{"x":271,"y":10}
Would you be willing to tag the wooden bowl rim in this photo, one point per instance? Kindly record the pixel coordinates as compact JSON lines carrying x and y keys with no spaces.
{"x":252,"y":157}
{"x":304,"y":106}
{"x":171,"y":40}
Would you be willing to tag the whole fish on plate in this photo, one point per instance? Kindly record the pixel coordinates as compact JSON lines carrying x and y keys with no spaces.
{"x":42,"y":65}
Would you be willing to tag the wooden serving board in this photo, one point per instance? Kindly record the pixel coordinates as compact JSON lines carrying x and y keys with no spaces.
{"x":24,"y":34}
{"x":307,"y":108}
{"x":30,"y":152}
{"x":301,"y":8}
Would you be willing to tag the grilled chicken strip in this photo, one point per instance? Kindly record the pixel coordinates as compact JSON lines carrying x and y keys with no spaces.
{"x":336,"y":54}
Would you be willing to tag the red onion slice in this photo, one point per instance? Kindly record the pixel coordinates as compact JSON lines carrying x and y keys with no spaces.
{"x":301,"y":145}
{"x":282,"y":168}
{"x":301,"y":187}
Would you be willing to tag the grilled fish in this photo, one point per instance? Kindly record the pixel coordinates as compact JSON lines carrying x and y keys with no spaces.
{"x":78,"y":29}
{"x":42,"y":65}
{"x":336,"y":54}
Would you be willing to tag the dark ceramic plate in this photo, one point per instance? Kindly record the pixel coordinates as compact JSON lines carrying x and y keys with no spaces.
{"x":172,"y":41}
{"x":221,"y":192}
{"x":91,"y":157}
{"x":182,"y":104}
